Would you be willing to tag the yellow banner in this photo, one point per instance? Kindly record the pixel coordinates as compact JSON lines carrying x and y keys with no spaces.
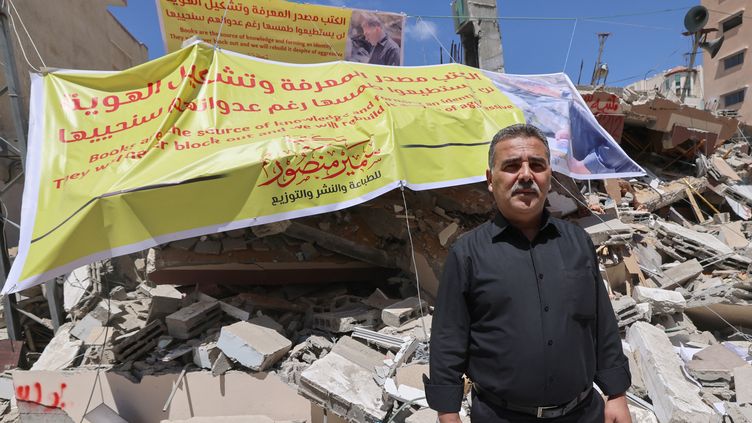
{"x":285,"y":31}
{"x":205,"y":140}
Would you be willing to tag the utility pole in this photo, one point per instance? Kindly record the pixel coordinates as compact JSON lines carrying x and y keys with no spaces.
{"x":602,"y":36}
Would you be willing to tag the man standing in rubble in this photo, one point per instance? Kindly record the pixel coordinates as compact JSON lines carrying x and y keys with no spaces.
{"x":522,"y":309}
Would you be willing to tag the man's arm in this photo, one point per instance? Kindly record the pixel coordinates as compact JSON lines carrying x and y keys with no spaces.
{"x":450,"y":331}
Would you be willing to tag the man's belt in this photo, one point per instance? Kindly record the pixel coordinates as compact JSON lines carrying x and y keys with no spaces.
{"x":540,"y":412}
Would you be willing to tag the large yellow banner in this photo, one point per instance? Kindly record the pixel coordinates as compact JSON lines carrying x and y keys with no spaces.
{"x":205,"y":140}
{"x":285,"y":31}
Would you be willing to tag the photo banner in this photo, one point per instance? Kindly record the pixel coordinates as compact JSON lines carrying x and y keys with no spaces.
{"x":285,"y":31}
{"x":205,"y":140}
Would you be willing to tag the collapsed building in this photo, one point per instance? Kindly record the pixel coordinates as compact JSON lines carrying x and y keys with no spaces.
{"x":329,"y":316}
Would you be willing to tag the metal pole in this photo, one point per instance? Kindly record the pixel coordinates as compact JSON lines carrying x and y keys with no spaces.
{"x":11,"y":81}
{"x":695,"y":44}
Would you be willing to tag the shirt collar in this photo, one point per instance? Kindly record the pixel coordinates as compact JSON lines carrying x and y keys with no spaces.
{"x":501,"y":224}
{"x":383,"y":39}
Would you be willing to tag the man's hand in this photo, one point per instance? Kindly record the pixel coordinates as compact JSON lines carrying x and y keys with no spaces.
{"x":616,"y":410}
{"x":452,"y":417}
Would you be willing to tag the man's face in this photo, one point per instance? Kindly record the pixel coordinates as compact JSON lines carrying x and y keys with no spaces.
{"x":372,"y":33}
{"x":520,"y":178}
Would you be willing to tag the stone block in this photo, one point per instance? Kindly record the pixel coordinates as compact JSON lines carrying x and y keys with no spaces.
{"x":662,"y":301}
{"x":190,"y":321}
{"x":402,"y":312}
{"x":254,"y":346}
{"x":675,"y":399}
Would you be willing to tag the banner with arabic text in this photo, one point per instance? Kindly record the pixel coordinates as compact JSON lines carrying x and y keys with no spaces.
{"x":204,"y":140}
{"x":285,"y":31}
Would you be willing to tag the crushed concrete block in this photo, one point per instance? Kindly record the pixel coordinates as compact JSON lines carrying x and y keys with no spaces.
{"x":345,"y":314}
{"x":343,"y":383}
{"x":680,"y":274}
{"x":560,"y":205}
{"x":254,"y":346}
{"x":715,"y":363}
{"x":236,"y":233}
{"x":402,"y":312}
{"x":419,"y":329}
{"x":674,"y":398}
{"x":267,"y":322}
{"x":139,"y":343}
{"x":743,"y":384}
{"x":206,"y":354}
{"x":662,"y":301}
{"x":270,"y":228}
{"x":61,"y":352}
{"x":190,"y":321}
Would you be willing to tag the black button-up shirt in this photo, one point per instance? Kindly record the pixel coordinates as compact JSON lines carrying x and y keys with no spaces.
{"x":529,"y":322}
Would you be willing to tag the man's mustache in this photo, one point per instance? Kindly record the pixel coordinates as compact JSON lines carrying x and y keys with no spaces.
{"x":525,"y":186}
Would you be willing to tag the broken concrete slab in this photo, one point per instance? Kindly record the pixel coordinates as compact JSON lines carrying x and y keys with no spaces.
{"x":674,"y":398}
{"x":343,"y":382}
{"x":715,"y":363}
{"x":662,"y":301}
{"x":254,"y":346}
{"x":61,"y":352}
{"x":84,"y":327}
{"x":403,"y":311}
{"x":75,"y":285}
{"x":680,"y":274}
{"x":448,"y":234}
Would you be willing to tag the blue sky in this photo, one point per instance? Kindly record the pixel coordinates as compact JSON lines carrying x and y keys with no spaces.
{"x":645,"y":34}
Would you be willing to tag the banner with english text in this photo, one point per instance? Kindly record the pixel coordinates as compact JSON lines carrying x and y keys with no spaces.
{"x":204,"y":140}
{"x":285,"y":31}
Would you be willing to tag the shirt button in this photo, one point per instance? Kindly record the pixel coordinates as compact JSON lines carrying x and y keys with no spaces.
{"x":540,"y":276}
{"x":545,"y":308}
{"x":550,"y":342}
{"x":550,"y":378}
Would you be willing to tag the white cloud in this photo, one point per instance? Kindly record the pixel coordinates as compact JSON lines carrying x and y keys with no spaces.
{"x":422,"y":30}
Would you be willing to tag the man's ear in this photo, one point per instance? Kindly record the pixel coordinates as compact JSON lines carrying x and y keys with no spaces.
{"x":489,"y":180}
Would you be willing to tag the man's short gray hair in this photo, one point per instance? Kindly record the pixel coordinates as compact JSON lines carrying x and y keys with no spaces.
{"x":372,"y":20}
{"x":518,"y":130}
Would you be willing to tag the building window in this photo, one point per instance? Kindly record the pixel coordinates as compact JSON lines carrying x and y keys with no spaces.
{"x":733,"y":98}
{"x":732,"y":22}
{"x":733,"y":60}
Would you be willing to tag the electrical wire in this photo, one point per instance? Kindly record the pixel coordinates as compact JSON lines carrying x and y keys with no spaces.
{"x":222,"y":24}
{"x":412,"y":256}
{"x":419,"y":20}
{"x":569,"y":49}
{"x":20,"y":43}
{"x":551,"y":18}
{"x":27,"y":32}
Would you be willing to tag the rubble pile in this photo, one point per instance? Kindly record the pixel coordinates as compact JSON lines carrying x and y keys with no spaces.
{"x":326,"y":311}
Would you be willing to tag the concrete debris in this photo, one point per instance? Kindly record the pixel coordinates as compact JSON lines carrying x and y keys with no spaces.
{"x":253,"y":346}
{"x":328,"y":304}
{"x":674,"y":398}
{"x":402,"y":312}
{"x":662,"y":301}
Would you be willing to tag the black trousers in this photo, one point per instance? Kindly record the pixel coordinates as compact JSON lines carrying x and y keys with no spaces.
{"x":590,"y":410}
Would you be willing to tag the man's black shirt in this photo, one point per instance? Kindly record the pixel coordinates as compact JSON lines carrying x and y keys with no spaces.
{"x":529,"y":322}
